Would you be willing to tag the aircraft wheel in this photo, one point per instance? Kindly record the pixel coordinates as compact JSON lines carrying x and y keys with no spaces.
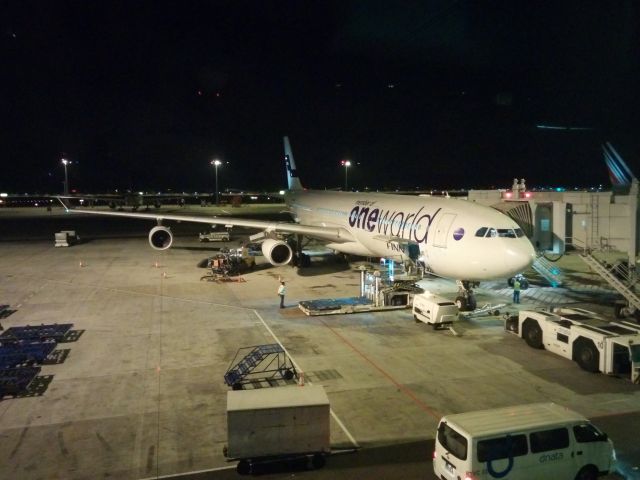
{"x":532,"y":334}
{"x":461,"y":303}
{"x":587,"y":356}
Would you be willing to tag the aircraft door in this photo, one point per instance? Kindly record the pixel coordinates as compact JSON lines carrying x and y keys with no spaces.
{"x":442,"y":230}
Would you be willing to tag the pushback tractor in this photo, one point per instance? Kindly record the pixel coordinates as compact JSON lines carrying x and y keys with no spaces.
{"x":594,"y":343}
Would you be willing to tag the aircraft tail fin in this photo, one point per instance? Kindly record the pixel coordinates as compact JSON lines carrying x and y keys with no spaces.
{"x":293,"y":181}
{"x":619,"y":172}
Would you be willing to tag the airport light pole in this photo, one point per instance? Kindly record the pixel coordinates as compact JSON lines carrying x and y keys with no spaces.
{"x":66,"y":162}
{"x":346,"y":164}
{"x":216,"y":163}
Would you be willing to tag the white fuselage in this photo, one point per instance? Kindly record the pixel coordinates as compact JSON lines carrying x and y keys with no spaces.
{"x":447,"y":231}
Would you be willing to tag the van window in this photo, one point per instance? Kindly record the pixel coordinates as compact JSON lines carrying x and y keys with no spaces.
{"x":502,"y":447}
{"x":588,"y":433}
{"x":455,"y":443}
{"x":547,"y":440}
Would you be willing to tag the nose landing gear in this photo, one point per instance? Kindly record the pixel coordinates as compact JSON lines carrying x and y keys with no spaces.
{"x":466,"y":300}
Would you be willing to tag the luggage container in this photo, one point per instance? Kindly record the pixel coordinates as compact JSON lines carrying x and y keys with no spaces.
{"x":280,"y":423}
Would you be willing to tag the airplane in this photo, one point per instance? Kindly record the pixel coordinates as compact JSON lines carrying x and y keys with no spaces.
{"x":453,"y":238}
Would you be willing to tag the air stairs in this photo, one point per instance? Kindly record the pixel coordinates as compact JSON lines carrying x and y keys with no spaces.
{"x":548,"y":270}
{"x":616,"y":279}
{"x":259,"y":362}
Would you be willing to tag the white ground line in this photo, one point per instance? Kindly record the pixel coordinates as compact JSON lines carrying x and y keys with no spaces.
{"x":194,"y":472}
{"x":295,"y":364}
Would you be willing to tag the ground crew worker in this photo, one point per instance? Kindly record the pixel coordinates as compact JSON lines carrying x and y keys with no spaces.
{"x":281,"y":291}
{"x":516,"y":290}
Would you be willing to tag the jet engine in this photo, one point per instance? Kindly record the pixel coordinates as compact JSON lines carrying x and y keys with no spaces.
{"x":160,"y":238}
{"x":276,"y":251}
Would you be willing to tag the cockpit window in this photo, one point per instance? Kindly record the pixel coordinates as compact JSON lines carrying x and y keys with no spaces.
{"x":499,"y":232}
{"x":506,"y":233}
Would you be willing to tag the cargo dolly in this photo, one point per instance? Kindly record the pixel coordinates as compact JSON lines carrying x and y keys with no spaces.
{"x":54,"y":331}
{"x":259,"y":362}
{"x":13,"y":381}
{"x":18,"y":353}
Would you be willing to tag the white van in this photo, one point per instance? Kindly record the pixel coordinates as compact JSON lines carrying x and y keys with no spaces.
{"x":525,"y":442}
{"x":434,"y":310}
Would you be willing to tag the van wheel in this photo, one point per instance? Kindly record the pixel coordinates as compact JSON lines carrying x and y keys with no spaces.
{"x":588,"y":472}
{"x":587,"y":356}
{"x":532,"y":334}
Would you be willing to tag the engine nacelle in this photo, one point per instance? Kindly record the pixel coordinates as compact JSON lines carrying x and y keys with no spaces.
{"x":160,"y":238}
{"x":277,"y":252}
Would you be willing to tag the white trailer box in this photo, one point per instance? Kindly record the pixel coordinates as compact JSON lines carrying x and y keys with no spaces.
{"x":434,"y":310}
{"x":277,"y":421}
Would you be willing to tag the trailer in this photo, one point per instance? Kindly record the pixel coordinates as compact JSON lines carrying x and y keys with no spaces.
{"x":594,"y":343}
{"x":277,"y":424}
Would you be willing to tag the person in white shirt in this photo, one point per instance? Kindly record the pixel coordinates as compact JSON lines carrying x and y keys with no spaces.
{"x":281,"y":291}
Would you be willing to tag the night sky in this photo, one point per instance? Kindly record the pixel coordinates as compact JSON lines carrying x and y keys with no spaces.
{"x":429,"y":93}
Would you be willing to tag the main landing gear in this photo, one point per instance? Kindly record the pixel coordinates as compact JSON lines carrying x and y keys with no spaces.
{"x":466,"y":300}
{"x":300,"y":259}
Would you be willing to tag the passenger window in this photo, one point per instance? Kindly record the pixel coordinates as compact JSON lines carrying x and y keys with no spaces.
{"x":548,"y":440}
{"x":588,"y":433}
{"x":452,"y":441}
{"x":503,"y":447}
{"x":492,"y":233}
{"x":481,"y":232}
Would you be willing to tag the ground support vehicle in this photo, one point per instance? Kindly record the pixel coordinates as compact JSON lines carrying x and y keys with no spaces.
{"x":277,"y":424}
{"x":436,"y":311}
{"x":214,"y":237}
{"x":596,"y":344}
{"x":522,"y":442}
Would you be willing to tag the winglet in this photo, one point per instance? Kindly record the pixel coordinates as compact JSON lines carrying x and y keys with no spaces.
{"x":619,"y":172}
{"x":293,"y":181}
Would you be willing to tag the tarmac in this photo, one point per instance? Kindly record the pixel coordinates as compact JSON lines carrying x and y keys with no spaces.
{"x":141,"y":392}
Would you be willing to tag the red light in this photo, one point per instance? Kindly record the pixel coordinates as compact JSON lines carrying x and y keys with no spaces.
{"x":469,"y":476}
{"x":435,"y":454}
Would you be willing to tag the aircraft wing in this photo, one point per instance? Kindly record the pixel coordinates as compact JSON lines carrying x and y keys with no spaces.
{"x":333,"y":234}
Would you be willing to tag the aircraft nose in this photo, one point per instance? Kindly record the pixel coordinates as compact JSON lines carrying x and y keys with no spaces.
{"x":520,"y":257}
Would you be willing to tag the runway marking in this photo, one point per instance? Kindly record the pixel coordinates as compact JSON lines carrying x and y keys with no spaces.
{"x":406,"y":390}
{"x":205,"y":302}
{"x":295,"y":364}
{"x":194,"y":472}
